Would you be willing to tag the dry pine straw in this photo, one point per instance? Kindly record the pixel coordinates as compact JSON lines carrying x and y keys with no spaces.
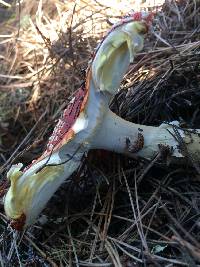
{"x":115,"y":211}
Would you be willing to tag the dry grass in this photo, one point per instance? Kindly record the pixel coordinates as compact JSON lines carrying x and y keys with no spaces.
{"x":115,"y":211}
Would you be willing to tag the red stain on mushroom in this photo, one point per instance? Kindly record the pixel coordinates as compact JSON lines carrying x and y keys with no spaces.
{"x":63,"y":130}
{"x":19,"y":223}
{"x":69,"y":117}
{"x":137,"y":16}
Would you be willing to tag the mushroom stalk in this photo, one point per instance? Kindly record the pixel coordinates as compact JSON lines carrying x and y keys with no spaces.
{"x":121,"y":136}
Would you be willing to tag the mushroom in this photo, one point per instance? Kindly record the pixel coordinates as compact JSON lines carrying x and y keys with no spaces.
{"x":88,"y":123}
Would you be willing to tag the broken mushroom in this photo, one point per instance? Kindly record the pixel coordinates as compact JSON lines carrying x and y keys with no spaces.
{"x":88,"y":123}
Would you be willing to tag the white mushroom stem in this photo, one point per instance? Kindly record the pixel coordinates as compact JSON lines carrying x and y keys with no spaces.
{"x":121,"y":136}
